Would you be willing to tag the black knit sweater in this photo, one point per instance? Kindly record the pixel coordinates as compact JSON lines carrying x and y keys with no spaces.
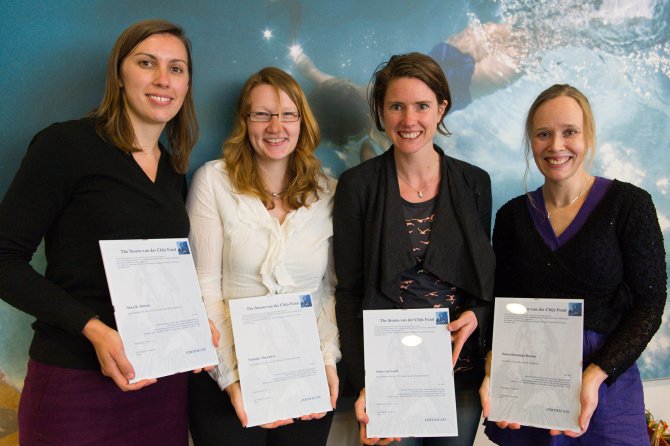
{"x":616,"y":263}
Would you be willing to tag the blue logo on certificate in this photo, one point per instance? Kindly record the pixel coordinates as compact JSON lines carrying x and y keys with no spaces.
{"x":182,"y":247}
{"x":574,"y":308}
{"x":305,"y":301}
{"x":441,"y":317}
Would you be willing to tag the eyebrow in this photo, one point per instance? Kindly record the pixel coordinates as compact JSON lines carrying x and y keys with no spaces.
{"x":563,"y":126}
{"x":142,"y":53}
{"x":426,"y":101}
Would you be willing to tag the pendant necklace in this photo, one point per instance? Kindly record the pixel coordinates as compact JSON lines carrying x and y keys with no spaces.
{"x":419,"y":192}
{"x":573,"y":201}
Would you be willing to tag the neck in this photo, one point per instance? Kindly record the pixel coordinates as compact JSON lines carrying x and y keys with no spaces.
{"x":274,"y":176}
{"x":419,"y":166}
{"x":146,"y":137}
{"x":561,"y":194}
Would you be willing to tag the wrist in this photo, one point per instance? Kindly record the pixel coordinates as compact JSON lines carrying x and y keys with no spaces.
{"x":93,"y":328}
{"x":594,"y":373}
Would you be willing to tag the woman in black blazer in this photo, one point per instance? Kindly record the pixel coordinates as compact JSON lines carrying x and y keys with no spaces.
{"x":411,"y":230}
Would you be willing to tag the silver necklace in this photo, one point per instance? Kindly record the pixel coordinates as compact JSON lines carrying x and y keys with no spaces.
{"x":419,"y":192}
{"x":275,"y":194}
{"x":573,"y":201}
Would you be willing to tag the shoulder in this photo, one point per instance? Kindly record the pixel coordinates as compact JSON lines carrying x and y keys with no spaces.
{"x":211,"y":175}
{"x":623,"y":191}
{"x":629,"y":201}
{"x":214,"y":170}
{"x":73,"y":133}
{"x":329,"y":184}
{"x":470,"y":171}
{"x":366,"y":172}
{"x":513,"y":207}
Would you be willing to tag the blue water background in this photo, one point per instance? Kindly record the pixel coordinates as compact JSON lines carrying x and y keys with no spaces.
{"x":618,"y":52}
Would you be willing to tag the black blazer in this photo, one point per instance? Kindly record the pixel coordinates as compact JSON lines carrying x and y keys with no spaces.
{"x":372,"y":247}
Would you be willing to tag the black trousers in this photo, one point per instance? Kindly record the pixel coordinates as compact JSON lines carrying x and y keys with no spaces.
{"x":213,"y":422}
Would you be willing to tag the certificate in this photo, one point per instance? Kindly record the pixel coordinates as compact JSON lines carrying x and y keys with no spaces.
{"x":158,"y":306}
{"x":279,"y":359}
{"x":536,"y":368}
{"x":409,"y":382}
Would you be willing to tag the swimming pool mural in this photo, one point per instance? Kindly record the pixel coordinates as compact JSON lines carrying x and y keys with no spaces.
{"x":498,"y":56}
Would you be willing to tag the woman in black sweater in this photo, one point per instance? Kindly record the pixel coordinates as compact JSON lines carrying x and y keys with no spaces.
{"x":580,"y":236}
{"x":102,"y":177}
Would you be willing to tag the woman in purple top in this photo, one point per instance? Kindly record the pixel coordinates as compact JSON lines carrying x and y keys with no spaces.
{"x":580,"y":236}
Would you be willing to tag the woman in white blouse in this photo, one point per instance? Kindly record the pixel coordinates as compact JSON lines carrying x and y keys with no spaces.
{"x":261,"y":224}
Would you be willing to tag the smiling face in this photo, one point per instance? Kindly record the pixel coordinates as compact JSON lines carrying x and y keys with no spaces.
{"x":155,"y":80}
{"x":557,"y":139}
{"x":411,"y":114}
{"x":272,"y":141}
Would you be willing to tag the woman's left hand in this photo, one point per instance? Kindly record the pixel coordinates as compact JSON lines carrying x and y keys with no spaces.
{"x":592,"y":378}
{"x":215,"y":343}
{"x":333,"y":387}
{"x":461,"y":329}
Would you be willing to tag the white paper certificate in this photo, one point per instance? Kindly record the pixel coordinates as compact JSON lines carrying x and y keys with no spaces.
{"x":536,"y":368}
{"x":409,"y":383}
{"x":158,"y":306}
{"x":279,"y":357}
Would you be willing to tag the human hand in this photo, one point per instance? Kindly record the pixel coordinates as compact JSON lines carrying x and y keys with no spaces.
{"x":484,"y":397}
{"x":363,"y":420}
{"x":592,"y":378}
{"x":111,"y":355}
{"x":485,"y":394}
{"x":234,"y":392}
{"x":461,"y":329}
{"x":215,"y":343}
{"x":334,"y":389}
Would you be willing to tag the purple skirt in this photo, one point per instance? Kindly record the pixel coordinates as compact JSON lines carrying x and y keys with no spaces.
{"x":62,"y":406}
{"x":618,"y":419}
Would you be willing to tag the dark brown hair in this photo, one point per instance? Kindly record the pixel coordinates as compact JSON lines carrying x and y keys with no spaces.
{"x":413,"y":65}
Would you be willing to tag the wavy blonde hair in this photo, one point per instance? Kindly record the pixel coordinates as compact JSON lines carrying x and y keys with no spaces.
{"x":304,"y":168}
{"x":111,"y":116}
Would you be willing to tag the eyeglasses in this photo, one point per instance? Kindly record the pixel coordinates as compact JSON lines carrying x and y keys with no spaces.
{"x":267,"y":117}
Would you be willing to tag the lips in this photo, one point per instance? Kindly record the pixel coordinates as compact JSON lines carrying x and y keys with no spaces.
{"x":409,"y":135}
{"x":159,"y":99}
{"x":275,"y":141}
{"x":558,"y":161}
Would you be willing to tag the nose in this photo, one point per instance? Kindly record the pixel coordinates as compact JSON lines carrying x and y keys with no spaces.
{"x":161,"y":77}
{"x":556,"y":142}
{"x":408,"y":116}
{"x":275,"y":124}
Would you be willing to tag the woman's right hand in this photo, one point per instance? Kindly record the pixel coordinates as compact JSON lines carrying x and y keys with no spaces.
{"x":111,"y":355}
{"x":485,"y":394}
{"x":234,"y":391}
{"x":363,"y":420}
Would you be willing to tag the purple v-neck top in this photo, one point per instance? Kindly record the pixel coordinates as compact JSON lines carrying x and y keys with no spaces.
{"x":538,"y":212}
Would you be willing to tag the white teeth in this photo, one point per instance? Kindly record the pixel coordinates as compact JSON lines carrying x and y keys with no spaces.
{"x":274,"y":140}
{"x":159,"y":98}
{"x":409,"y":135}
{"x":557,"y":161}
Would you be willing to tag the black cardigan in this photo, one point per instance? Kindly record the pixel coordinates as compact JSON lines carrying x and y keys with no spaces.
{"x":616,"y":263}
{"x":372,"y":247}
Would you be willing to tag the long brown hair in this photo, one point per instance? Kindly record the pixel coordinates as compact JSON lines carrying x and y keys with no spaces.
{"x":304,"y":168}
{"x":112,"y":121}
